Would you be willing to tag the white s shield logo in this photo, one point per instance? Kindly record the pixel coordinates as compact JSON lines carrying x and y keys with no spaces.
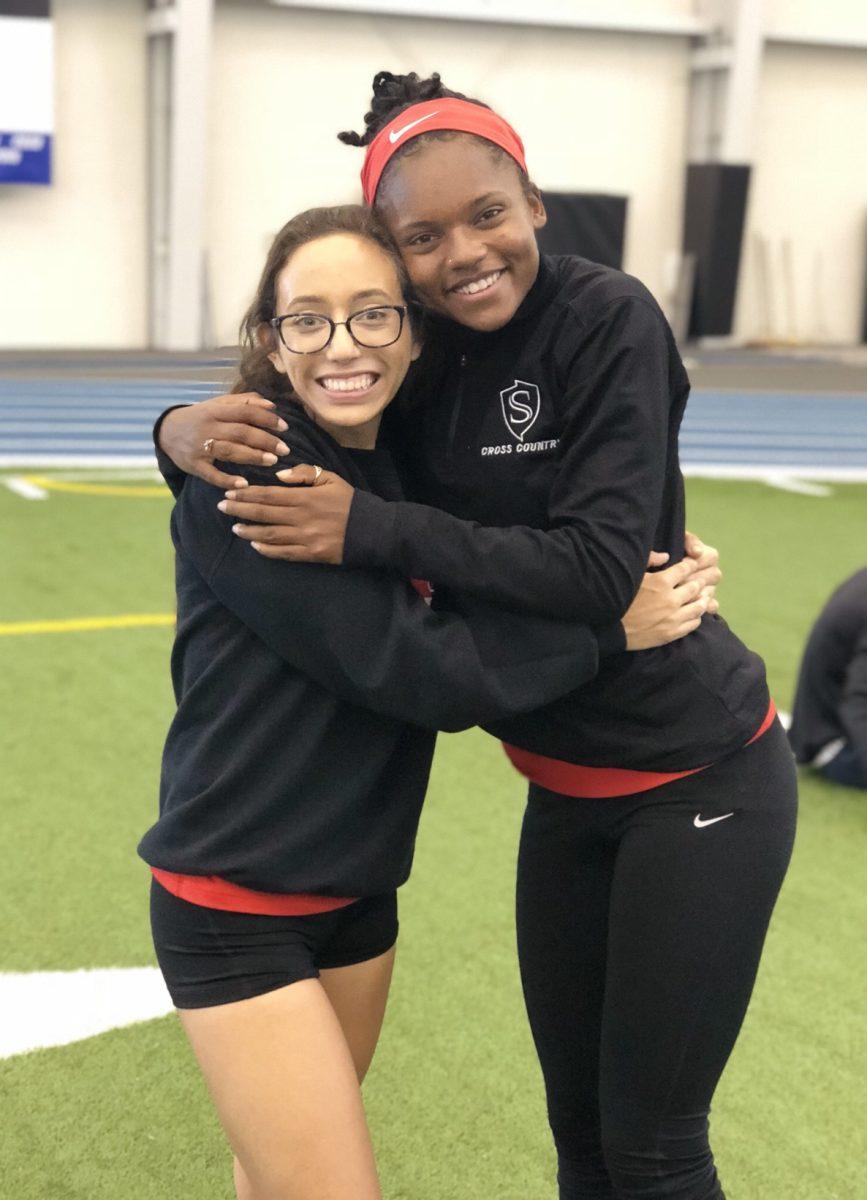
{"x":520,"y":403}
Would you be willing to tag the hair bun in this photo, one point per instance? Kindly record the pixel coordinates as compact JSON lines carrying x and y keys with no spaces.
{"x":393,"y":93}
{"x":382,"y":81}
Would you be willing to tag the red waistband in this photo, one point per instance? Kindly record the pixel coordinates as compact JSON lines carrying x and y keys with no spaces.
{"x":594,"y":783}
{"x":210,"y":891}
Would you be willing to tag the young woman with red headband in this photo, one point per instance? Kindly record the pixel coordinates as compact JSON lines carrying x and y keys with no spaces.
{"x":540,"y":431}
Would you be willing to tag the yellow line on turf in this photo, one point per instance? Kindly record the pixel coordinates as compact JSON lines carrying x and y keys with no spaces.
{"x":85,"y":624}
{"x":154,"y":491}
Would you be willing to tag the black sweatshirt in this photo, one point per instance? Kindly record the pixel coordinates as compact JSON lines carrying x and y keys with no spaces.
{"x":831,"y":696}
{"x":549,"y":450}
{"x":291,"y":765}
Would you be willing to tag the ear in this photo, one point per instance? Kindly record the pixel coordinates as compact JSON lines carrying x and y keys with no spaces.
{"x":537,"y":208}
{"x":267,"y":339}
{"x":416,"y":321}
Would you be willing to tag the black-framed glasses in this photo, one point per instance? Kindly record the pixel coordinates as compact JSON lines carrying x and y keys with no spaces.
{"x":373,"y":328}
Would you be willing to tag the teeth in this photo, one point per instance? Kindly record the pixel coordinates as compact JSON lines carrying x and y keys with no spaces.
{"x":479,"y":285}
{"x":351,"y":383}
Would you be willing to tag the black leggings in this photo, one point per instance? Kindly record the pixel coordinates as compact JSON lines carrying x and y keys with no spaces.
{"x":641,"y":921}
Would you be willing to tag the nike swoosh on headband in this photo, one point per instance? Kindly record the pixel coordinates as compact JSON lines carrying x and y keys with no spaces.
{"x":397,"y":134}
{"x":700,"y":824}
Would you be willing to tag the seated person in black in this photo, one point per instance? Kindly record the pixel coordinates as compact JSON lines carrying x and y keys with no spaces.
{"x":829,"y":720}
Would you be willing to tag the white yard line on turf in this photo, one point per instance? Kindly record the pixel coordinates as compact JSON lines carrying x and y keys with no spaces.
{"x":54,"y":1008}
{"x":23,"y":487}
{"x":788,"y":483}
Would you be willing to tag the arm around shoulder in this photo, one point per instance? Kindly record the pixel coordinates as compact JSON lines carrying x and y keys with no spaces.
{"x":604,"y":503}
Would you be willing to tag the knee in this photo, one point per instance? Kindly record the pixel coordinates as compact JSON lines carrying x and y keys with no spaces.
{"x":269,"y":1185}
{"x":672,"y":1161}
{"x":581,"y":1170}
{"x":243,"y":1187}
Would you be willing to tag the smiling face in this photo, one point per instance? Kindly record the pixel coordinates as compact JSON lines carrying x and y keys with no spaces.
{"x":466,"y":229}
{"x":345,"y":387}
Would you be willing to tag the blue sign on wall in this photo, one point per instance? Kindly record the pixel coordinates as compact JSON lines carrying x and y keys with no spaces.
{"x":26,"y":91}
{"x":25,"y":158}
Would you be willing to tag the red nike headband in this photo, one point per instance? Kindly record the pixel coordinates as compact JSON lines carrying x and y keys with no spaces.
{"x":458,"y":115}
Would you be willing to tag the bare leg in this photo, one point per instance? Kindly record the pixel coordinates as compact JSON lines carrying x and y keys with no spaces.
{"x":358,"y":995}
{"x":286,"y":1090}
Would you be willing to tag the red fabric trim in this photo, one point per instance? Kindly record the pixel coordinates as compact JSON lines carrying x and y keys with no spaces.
{"x":210,"y":891}
{"x":423,"y":588}
{"x":458,"y":115}
{"x":766,"y":724}
{"x":596,"y":783}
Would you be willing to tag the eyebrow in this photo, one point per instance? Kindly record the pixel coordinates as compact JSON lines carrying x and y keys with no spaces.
{"x":367,"y":294}
{"x":472,"y":204}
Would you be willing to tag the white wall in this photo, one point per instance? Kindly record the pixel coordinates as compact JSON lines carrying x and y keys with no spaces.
{"x":809,"y":186}
{"x":597,"y":112}
{"x":77,"y":248}
{"x":830,"y":19}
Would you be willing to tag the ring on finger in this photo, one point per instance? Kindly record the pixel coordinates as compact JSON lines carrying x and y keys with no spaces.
{"x":208,"y":445}
{"x":317,"y":471}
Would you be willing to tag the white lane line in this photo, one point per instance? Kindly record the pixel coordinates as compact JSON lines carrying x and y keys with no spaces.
{"x":771,"y":437}
{"x":23,"y":487}
{"x":76,"y":429}
{"x":38,"y":458}
{"x":14,"y":445}
{"x":788,"y":483}
{"x":758,"y":472}
{"x":54,"y":1008}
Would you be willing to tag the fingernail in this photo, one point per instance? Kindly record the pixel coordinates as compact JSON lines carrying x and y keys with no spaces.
{"x":281,"y":424}
{"x":239,"y":483}
{"x":282,"y":448}
{"x":256,"y":545}
{"x":237,"y":528}
{"x":284,"y":474}
{"x":222,"y":506}
{"x":269,"y":459}
{"x":229,"y":496}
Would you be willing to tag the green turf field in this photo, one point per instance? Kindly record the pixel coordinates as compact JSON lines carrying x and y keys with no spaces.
{"x":454,"y":1096}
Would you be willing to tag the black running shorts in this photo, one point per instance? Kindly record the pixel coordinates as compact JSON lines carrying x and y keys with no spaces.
{"x":209,"y":957}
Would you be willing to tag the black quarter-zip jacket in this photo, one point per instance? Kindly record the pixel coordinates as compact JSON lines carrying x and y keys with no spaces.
{"x":549,"y":450}
{"x":308,"y":695}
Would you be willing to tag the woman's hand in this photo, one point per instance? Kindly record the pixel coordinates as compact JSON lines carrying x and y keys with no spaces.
{"x":241,"y":428}
{"x":305,"y":523}
{"x":671,"y":603}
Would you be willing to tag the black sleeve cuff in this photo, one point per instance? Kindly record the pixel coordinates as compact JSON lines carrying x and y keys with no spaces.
{"x":370,"y":529}
{"x":171,"y":473}
{"x":611,"y":639}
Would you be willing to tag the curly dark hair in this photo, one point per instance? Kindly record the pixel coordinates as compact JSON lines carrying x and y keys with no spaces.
{"x":392,"y":94}
{"x":256,"y":373}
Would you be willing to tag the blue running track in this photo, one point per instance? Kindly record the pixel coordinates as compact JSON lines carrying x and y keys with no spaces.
{"x":746,"y":434}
